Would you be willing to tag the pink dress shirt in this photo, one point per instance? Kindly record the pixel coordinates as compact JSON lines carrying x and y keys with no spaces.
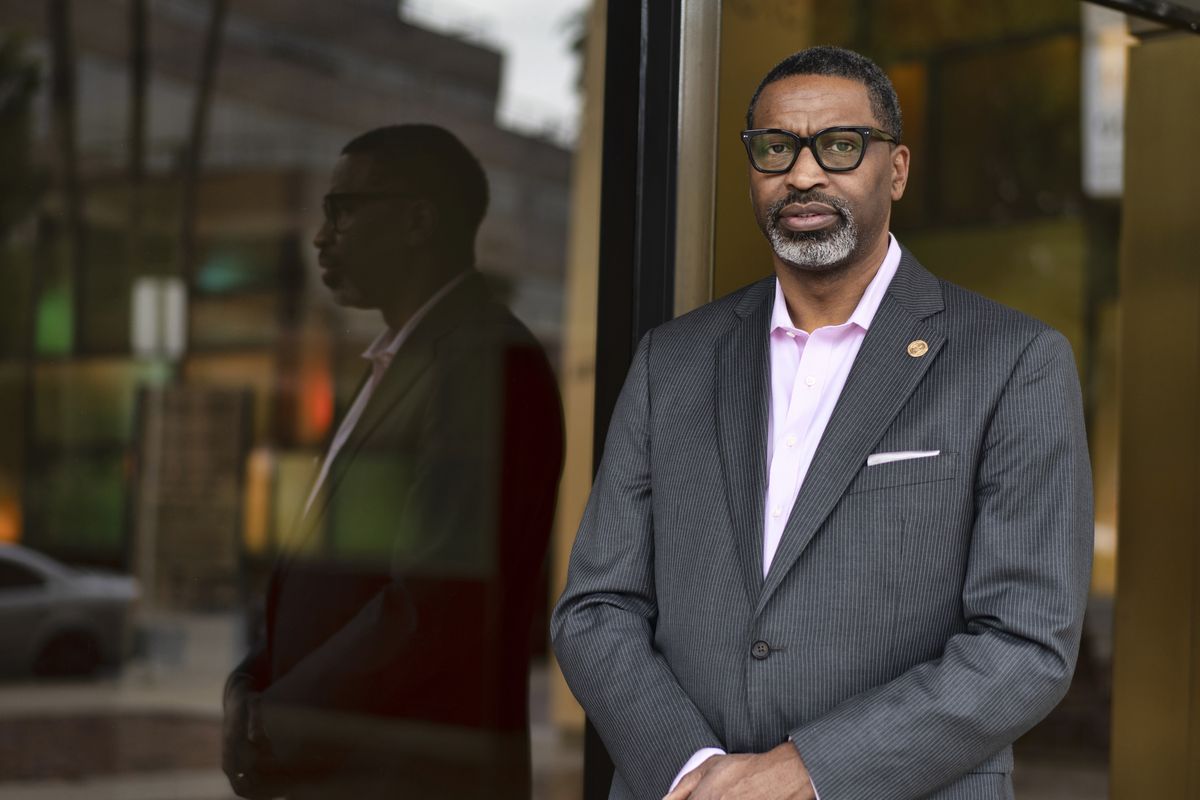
{"x":808,"y":371}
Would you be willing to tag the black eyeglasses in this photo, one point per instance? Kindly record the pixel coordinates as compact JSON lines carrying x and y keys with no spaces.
{"x":839,"y":149}
{"x":338,"y":207}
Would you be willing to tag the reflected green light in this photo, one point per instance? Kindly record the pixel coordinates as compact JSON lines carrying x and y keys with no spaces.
{"x":54,"y":322}
{"x":224,"y":272}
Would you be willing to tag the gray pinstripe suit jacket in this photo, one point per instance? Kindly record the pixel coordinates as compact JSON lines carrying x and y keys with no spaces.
{"x":920,"y":615}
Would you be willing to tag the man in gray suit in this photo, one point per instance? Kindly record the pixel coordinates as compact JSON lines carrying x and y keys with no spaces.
{"x":840,"y":540}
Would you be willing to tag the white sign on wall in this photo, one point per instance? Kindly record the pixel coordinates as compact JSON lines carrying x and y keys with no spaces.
{"x":158,"y":317}
{"x":1106,"y":43}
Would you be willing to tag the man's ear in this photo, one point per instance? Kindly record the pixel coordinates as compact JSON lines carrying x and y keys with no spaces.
{"x":421,"y":222}
{"x":900,"y":156}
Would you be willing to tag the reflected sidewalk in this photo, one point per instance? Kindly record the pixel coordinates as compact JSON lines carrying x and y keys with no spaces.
{"x":152,"y":732}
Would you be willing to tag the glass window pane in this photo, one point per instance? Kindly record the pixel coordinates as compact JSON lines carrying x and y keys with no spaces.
{"x":182,"y":342}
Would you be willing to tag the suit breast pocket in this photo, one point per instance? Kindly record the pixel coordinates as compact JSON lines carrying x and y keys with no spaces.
{"x":909,"y":471}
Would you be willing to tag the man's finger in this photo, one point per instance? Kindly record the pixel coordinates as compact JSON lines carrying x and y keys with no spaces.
{"x":255,"y":731}
{"x":686,"y":784}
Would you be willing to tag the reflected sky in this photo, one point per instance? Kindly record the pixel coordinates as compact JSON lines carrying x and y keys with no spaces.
{"x":537,"y":93}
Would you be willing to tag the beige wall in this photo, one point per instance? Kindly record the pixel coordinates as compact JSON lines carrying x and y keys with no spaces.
{"x":755,"y":36}
{"x":1036,"y":267}
{"x":695,"y":185}
{"x":578,"y":369}
{"x":1156,"y":700}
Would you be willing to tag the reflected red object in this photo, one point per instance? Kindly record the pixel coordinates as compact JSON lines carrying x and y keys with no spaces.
{"x":10,"y":522}
{"x":317,"y":401}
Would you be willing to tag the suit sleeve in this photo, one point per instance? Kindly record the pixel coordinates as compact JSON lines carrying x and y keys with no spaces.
{"x":1022,"y":600}
{"x":603,"y":625}
{"x":254,"y":668}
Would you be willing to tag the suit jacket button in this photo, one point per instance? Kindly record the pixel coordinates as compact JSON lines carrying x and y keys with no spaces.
{"x":760,"y":650}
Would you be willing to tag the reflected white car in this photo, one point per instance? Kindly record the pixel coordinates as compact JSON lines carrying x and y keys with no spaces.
{"x":60,"y":620}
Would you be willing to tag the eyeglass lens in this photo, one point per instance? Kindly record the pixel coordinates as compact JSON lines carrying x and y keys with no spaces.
{"x":833,"y":149}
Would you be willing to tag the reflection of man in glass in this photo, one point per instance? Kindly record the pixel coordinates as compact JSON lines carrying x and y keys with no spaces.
{"x":397,"y":629}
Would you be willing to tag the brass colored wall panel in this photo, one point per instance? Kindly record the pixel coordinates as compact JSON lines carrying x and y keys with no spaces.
{"x":755,"y":36}
{"x":1035,"y":266}
{"x":695,"y":186}
{"x":577,"y":372}
{"x":1156,"y":703}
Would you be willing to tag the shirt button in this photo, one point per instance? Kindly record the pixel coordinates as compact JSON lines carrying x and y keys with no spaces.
{"x":760,"y":650}
{"x":810,"y":381}
{"x":776,"y":511}
{"x":792,"y":334}
{"x":791,"y":441}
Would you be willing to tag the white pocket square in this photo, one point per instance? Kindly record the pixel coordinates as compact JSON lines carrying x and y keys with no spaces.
{"x":899,"y":455}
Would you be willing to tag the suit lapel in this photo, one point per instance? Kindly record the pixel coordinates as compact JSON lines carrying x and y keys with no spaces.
{"x":743,"y":390}
{"x":410,"y":362}
{"x":405,"y":371}
{"x":303,"y":534}
{"x":878,"y":386}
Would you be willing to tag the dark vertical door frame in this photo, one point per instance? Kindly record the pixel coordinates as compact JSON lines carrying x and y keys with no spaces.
{"x":636,"y":286}
{"x":637,"y":195}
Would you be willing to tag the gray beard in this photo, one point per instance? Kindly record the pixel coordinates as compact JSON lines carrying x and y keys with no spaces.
{"x":815,"y":250}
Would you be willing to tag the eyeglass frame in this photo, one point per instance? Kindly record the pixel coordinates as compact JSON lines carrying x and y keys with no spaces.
{"x":328,"y":201}
{"x":866,"y":131}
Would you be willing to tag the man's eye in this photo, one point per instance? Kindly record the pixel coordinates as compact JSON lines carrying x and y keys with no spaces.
{"x":841,"y":146}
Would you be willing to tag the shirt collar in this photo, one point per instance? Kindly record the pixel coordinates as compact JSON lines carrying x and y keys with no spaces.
{"x":381,"y":351}
{"x":868,"y":304}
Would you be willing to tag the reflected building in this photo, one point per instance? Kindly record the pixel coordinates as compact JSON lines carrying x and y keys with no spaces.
{"x":269,"y":361}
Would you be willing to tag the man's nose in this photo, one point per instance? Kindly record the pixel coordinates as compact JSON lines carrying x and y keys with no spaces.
{"x":323,"y":235}
{"x":806,"y":173}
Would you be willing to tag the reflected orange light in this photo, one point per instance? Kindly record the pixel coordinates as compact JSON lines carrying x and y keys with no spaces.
{"x":317,"y":402}
{"x":256,"y":502}
{"x":10,"y":521}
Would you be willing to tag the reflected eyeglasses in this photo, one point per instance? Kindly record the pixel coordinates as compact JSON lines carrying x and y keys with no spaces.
{"x":339,"y":207}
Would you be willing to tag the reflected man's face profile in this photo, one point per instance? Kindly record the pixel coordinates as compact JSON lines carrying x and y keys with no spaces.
{"x":367,"y":234}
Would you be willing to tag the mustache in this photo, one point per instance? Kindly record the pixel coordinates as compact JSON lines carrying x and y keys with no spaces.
{"x":840,"y":205}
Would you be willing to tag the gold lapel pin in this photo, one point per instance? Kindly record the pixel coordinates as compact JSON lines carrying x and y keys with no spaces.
{"x":917,"y":348}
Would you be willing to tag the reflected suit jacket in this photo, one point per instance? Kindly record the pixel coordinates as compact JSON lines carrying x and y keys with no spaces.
{"x":398,"y":631}
{"x":918,"y":616}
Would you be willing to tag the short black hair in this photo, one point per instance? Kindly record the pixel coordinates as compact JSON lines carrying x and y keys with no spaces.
{"x":840,"y":63}
{"x":434,"y":163}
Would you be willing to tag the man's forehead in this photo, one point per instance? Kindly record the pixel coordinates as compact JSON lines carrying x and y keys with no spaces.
{"x":818,"y":100}
{"x":357,"y":172}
